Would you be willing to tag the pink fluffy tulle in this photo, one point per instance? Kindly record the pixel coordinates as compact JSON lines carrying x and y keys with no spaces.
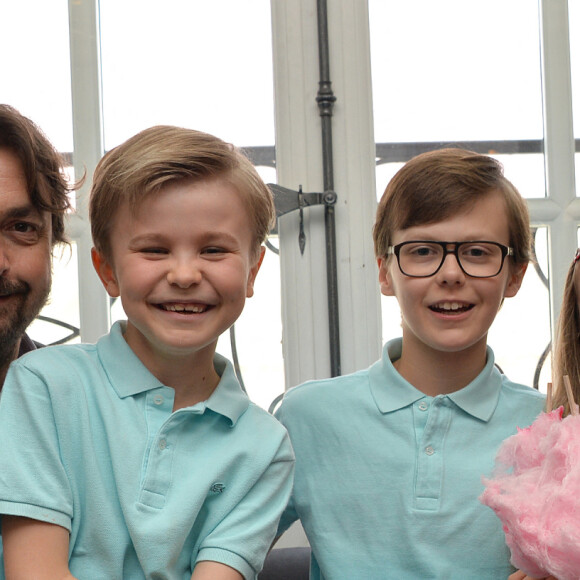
{"x":535,"y":491}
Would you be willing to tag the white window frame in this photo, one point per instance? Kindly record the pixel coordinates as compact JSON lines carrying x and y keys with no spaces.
{"x":299,"y":162}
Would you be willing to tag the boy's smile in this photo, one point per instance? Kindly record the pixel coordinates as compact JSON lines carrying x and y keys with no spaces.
{"x":183,"y":264}
{"x":451,"y":312}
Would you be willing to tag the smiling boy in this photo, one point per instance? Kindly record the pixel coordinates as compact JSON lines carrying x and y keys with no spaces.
{"x":389,"y":459}
{"x":140,"y":456}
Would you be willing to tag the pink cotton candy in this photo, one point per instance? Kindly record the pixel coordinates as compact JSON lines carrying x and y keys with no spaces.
{"x":535,"y":491}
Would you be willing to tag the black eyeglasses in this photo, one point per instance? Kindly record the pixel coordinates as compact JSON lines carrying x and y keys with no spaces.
{"x":424,"y":258}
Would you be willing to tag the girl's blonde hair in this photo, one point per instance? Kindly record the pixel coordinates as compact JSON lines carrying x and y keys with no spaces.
{"x":566,"y":351}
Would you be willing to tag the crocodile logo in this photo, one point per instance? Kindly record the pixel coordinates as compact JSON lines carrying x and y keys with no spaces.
{"x":217,"y":488}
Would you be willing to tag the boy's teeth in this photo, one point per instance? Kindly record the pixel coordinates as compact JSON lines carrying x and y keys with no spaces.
{"x":184,"y":308}
{"x":448,"y":306}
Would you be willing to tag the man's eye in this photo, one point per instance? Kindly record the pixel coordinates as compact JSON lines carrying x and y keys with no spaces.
{"x":24,"y":227}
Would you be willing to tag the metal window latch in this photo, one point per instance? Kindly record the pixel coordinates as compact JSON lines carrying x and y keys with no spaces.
{"x":287,"y":200}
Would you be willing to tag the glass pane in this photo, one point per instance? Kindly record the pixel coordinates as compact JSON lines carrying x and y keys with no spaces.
{"x":518,"y":339}
{"x":194,"y":63}
{"x":574,"y":19}
{"x":63,"y":304}
{"x":459,"y":72}
{"x":258,"y":334}
{"x":36,"y":80}
{"x":35,"y":65}
{"x":209,"y":73}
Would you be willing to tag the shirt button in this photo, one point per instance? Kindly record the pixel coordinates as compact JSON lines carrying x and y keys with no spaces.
{"x":158,"y":399}
{"x":423,"y":406}
{"x":429,"y":450}
{"x":162,"y":444}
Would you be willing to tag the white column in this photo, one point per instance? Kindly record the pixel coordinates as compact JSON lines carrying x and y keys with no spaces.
{"x":559,"y":149}
{"x":299,"y":162}
{"x":88,"y":149}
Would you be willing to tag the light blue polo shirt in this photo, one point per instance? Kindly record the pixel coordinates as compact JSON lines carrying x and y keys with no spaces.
{"x":387,"y":479}
{"x":88,"y":441}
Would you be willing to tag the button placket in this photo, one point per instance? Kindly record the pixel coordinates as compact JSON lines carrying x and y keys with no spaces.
{"x":430,"y":456}
{"x":157,"y":465}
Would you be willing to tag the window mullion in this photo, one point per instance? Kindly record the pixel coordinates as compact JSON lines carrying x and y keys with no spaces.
{"x":88,"y":149}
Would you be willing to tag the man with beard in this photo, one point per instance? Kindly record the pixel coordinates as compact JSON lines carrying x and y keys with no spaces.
{"x":33,"y":202}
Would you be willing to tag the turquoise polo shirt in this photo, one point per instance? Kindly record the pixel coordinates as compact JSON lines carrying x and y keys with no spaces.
{"x":89,"y":441}
{"x":387,"y":479}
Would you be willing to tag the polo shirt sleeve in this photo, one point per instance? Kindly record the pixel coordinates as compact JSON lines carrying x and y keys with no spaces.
{"x":242,"y":539}
{"x":33,"y":482}
{"x":289,"y":515}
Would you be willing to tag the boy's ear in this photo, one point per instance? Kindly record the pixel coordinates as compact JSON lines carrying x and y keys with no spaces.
{"x":515,"y":280}
{"x":385,"y":281}
{"x":254,"y":272}
{"x":105,"y":272}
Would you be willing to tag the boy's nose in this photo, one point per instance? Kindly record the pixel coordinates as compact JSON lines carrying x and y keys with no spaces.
{"x":184,"y":273}
{"x":450,"y":271}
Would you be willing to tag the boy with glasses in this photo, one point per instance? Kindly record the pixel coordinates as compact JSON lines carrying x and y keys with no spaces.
{"x":389,"y":459}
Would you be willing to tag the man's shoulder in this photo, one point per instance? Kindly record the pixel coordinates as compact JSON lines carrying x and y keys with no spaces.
{"x":59,"y":357}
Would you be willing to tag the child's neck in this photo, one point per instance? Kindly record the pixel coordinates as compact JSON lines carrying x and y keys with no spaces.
{"x":439,"y":373}
{"x":193,"y":378}
{"x":192,"y":385}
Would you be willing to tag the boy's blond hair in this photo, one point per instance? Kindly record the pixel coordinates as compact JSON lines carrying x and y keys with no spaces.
{"x":436,"y":185}
{"x":159,"y":155}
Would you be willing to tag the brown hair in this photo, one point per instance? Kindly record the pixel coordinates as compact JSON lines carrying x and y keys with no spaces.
{"x":566,"y":352}
{"x":435,"y":185}
{"x":159,"y":155}
{"x":42,"y":164}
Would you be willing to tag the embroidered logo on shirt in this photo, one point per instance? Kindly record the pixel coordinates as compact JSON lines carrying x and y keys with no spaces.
{"x":217,"y":487}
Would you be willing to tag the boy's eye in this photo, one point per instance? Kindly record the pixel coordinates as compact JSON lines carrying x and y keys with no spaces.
{"x":214,"y":250}
{"x":422,"y":251}
{"x":153,"y":251}
{"x":477,"y":251}
{"x":474,"y":252}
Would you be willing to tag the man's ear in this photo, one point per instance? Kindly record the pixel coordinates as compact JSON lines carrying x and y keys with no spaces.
{"x":385,"y":281}
{"x":105,"y":272}
{"x":515,"y":280}
{"x":254,"y":272}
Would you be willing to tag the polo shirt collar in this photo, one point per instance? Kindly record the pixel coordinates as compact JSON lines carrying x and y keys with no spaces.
{"x":480,"y":397}
{"x":228,"y":399}
{"x":129,"y":376}
{"x":392,"y":392}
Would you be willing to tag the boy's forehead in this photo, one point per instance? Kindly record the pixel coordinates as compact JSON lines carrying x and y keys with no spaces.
{"x":486,"y":218}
